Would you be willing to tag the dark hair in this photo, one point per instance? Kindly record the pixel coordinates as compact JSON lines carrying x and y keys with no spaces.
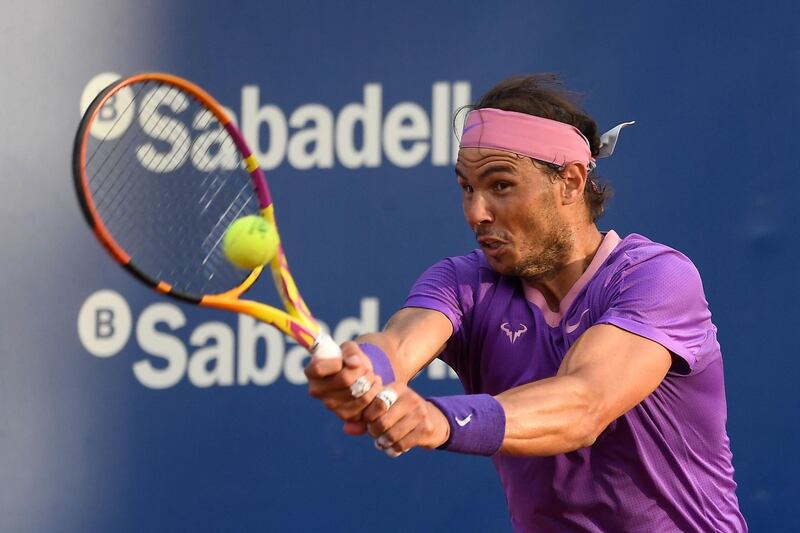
{"x":543,"y":95}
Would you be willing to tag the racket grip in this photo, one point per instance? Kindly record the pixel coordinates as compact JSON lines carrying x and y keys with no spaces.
{"x":326,"y":348}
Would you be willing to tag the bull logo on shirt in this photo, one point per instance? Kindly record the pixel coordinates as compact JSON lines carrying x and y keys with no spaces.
{"x":513,"y":335}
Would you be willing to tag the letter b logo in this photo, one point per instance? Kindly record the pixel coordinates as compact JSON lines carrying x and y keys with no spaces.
{"x":116,"y":115}
{"x":104,"y":323}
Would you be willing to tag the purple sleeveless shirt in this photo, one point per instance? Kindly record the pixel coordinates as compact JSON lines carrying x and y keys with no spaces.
{"x":663,"y":466}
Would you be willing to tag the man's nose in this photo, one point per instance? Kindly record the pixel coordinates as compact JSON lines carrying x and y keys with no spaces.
{"x":477,"y":211}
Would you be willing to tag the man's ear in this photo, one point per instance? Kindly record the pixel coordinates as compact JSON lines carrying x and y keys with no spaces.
{"x":573,"y":182}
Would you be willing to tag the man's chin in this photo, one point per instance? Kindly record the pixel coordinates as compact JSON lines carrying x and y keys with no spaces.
{"x":500,"y":264}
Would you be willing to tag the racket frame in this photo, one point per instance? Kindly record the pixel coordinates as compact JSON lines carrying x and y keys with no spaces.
{"x":296,"y":321}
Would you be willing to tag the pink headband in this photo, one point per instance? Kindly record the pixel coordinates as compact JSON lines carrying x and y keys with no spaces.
{"x":540,"y":138}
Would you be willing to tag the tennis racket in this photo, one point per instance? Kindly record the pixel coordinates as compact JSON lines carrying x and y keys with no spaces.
{"x":161,"y":172}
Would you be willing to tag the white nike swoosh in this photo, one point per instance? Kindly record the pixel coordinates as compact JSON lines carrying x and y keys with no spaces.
{"x":572,"y":327}
{"x":463,"y":422}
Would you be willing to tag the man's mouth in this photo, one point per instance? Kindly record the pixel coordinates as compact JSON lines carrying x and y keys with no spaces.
{"x":491,"y":243}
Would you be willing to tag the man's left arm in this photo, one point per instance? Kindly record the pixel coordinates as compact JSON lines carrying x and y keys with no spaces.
{"x":605,"y":373}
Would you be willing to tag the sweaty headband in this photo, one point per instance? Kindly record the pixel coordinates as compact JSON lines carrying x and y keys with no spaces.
{"x":540,"y":138}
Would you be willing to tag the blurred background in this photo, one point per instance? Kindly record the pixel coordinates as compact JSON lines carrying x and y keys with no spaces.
{"x":89,"y":443}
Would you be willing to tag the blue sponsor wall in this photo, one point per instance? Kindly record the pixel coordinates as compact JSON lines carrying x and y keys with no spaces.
{"x":123,"y":411}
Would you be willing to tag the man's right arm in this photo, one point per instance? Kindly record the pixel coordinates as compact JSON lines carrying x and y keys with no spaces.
{"x":412,"y":338}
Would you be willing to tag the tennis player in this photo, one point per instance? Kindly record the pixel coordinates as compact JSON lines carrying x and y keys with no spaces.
{"x":591,"y":367}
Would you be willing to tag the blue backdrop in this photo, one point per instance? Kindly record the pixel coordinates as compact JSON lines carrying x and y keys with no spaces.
{"x":86,"y":441}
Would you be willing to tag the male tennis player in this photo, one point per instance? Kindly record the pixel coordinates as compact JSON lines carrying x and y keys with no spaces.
{"x":592,"y":372}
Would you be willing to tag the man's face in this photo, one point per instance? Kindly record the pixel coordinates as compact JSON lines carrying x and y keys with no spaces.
{"x":512,"y":206}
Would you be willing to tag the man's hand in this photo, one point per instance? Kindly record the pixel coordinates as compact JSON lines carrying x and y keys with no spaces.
{"x":334,"y":382}
{"x":410,"y":422}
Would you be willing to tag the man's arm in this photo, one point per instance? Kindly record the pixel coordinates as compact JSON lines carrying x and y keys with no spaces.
{"x":605,"y":373}
{"x":412,"y":338}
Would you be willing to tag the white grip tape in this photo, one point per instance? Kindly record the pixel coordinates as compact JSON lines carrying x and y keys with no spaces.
{"x":326,"y":347}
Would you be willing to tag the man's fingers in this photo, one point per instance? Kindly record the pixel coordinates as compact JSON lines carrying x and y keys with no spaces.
{"x":353,"y":357}
{"x":335,"y":399}
{"x":354,"y":428}
{"x":350,"y":348}
{"x":322,"y":368}
{"x":396,"y":432}
{"x":386,"y":418}
{"x":382,"y":403}
{"x":339,"y":381}
{"x":410,"y":440}
{"x":407,"y":424}
{"x":388,"y":397}
{"x":361,"y":386}
{"x":355,"y":406}
{"x":347,"y":402}
{"x":417,"y":436}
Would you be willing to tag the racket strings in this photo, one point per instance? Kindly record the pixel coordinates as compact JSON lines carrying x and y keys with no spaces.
{"x":120,"y":210}
{"x":155,"y":196}
{"x":127,"y":109}
{"x":114,"y":204}
{"x":122,"y":173}
{"x":168,"y":187}
{"x":216,"y":234}
{"x":115,"y":148}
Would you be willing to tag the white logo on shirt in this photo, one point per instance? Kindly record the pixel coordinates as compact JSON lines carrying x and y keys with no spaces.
{"x":464,"y":421}
{"x":513,"y":335}
{"x":572,"y":327}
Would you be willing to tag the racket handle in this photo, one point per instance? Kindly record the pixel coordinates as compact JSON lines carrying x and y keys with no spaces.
{"x":326,"y":347}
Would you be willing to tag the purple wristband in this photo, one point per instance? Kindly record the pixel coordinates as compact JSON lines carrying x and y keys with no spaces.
{"x":381,"y":365}
{"x":477,"y":423}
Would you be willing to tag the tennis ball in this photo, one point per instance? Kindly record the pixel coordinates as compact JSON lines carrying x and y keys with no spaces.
{"x":250,"y":242}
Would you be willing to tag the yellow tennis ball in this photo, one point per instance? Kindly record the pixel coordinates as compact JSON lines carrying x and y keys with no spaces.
{"x":250,"y":242}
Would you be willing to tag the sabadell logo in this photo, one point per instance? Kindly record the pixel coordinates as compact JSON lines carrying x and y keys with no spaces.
{"x":166,"y":348}
{"x":364,"y":133}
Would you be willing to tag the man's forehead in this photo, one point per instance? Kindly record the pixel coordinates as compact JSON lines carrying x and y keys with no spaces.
{"x":471,"y":160}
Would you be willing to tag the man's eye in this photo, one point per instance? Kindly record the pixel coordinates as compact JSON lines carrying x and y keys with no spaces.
{"x":466,"y":188}
{"x":502,"y":185}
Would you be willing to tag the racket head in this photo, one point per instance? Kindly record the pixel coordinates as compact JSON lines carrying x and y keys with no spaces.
{"x":160,"y":171}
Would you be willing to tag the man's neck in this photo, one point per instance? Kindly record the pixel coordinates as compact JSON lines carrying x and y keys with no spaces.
{"x":554,"y":288}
